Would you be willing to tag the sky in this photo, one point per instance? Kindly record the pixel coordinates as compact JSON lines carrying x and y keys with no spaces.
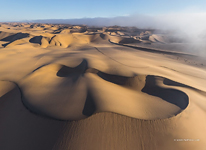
{"x":19,"y":10}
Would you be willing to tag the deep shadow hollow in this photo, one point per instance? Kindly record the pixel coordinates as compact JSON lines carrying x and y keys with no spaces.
{"x":173,"y":96}
{"x":89,"y":106}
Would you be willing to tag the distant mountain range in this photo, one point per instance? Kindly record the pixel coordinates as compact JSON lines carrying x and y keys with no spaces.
{"x":132,"y":20}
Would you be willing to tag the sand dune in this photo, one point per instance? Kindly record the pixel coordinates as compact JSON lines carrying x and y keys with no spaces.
{"x":67,"y":104}
{"x":66,"y":87}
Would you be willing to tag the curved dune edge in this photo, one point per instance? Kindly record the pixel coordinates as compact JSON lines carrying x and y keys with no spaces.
{"x":25,"y":130}
{"x":21,"y":129}
{"x":6,"y":87}
{"x":73,"y":93}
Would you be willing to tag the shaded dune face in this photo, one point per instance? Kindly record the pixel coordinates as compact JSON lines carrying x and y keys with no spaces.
{"x":14,"y":38}
{"x":20,"y":129}
{"x":36,"y":39}
{"x":173,"y":96}
{"x":73,"y":93}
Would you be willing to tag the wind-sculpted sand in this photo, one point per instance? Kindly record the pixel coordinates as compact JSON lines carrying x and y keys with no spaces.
{"x":68,"y":87}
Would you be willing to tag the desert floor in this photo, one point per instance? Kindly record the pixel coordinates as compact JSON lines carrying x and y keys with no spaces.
{"x":68,"y":87}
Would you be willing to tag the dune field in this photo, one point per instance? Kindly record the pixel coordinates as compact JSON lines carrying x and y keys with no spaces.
{"x":65,"y":87}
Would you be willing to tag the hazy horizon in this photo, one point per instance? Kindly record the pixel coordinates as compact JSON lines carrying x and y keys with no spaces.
{"x":185,"y":18}
{"x":44,"y":9}
{"x":185,"y":15}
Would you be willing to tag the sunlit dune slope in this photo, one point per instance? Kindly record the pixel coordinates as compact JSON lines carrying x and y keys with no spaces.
{"x":66,"y":87}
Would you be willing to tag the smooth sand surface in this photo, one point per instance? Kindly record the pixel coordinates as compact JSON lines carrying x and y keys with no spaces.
{"x":68,"y":87}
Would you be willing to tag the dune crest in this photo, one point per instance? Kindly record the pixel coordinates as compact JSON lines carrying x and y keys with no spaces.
{"x":66,"y":103}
